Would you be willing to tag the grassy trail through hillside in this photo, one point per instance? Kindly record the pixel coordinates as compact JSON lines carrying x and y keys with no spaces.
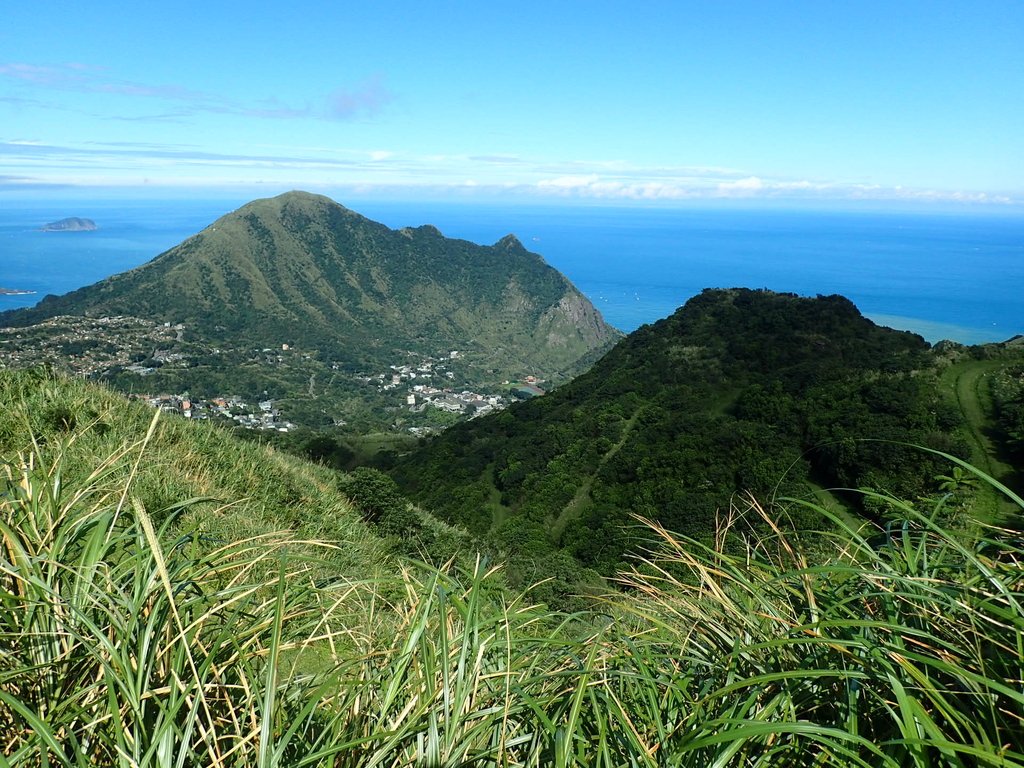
{"x":969,"y":378}
{"x":969,"y":383}
{"x":499,"y":511}
{"x":582,"y":497}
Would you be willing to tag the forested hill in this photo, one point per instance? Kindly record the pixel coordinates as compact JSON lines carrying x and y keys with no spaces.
{"x":303,"y":270}
{"x":739,"y":390}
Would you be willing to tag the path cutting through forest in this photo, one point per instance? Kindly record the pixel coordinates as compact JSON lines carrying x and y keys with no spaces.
{"x":582,"y":496}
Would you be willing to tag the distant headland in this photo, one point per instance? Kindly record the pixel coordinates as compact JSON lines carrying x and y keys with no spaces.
{"x":73,"y":224}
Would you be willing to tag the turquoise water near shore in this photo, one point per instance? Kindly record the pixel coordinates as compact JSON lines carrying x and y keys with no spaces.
{"x":944,"y":276}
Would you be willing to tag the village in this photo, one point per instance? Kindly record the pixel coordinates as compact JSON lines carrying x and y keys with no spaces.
{"x":433,"y":390}
{"x":92,"y":346}
{"x":426,"y":383}
{"x":233,"y":409}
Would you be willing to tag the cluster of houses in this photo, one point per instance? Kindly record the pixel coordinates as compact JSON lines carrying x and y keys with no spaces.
{"x":465,"y":401}
{"x":93,"y":346}
{"x":88,"y":346}
{"x":264,"y":416}
{"x":159,"y":357}
{"x":424,"y":370}
{"x":417,"y":380}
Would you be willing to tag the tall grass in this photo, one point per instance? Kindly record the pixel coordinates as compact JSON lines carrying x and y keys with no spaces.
{"x":125,"y":643}
{"x":118,"y":648}
{"x":904,"y":649}
{"x":121,"y":646}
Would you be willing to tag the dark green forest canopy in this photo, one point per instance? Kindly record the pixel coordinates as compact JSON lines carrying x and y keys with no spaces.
{"x":738,"y":391}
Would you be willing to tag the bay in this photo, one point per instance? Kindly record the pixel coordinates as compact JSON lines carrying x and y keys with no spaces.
{"x":941,"y":275}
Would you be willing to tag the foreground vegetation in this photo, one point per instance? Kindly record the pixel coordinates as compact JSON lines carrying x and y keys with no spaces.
{"x":126,"y":639}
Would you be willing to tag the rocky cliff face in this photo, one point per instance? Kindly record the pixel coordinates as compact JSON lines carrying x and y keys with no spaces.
{"x":574,"y":321}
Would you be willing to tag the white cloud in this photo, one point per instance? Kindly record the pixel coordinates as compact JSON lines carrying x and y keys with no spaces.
{"x":365,"y":98}
{"x":740,"y":188}
{"x":568,"y":183}
{"x":368,"y":97}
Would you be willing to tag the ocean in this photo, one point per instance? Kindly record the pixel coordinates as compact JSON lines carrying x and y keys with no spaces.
{"x":943,"y":276}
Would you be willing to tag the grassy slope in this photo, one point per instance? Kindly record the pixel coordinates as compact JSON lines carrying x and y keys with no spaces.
{"x":967,"y":381}
{"x":251,"y":489}
{"x":117,"y":651}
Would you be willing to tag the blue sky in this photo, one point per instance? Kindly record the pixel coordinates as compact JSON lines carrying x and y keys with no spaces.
{"x":657,"y":103}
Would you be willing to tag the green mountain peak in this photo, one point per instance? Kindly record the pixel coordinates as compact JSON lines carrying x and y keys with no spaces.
{"x":302,"y":270}
{"x":510,"y":243}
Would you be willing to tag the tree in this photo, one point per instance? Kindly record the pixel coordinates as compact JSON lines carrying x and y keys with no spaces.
{"x":374,"y":494}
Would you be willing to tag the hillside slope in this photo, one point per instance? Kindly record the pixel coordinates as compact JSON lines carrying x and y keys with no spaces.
{"x":737,"y":391}
{"x":122,"y":648}
{"x":246,"y":489}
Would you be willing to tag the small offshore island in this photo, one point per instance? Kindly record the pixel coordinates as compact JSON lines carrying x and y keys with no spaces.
{"x":72,"y":224}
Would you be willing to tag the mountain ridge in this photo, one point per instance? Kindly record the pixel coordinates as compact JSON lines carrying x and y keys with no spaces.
{"x":302,"y":261}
